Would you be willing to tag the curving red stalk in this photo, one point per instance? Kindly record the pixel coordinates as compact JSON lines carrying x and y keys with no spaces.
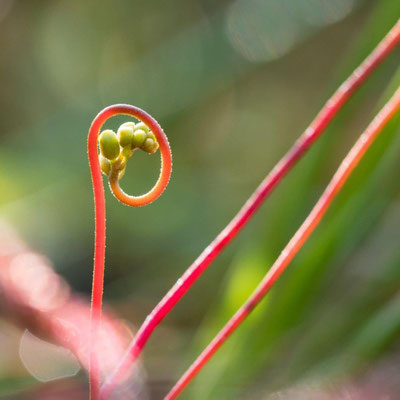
{"x":297,"y":241}
{"x":100,"y":212}
{"x":325,"y":116}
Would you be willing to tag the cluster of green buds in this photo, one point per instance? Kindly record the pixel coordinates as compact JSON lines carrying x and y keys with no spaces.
{"x":116,"y":148}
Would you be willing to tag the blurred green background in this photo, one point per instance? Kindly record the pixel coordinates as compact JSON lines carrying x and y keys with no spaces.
{"x":233,"y":83}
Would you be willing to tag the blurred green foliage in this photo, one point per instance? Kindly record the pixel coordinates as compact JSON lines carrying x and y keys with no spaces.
{"x":233,"y":85}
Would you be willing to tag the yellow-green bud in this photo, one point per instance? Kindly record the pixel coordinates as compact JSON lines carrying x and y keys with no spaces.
{"x":109,"y":145}
{"x":151,"y":135}
{"x":125,"y":134}
{"x":139,"y":136}
{"x":150,"y":146}
{"x":105,"y":165}
{"x":142,"y":126}
{"x":130,"y":124}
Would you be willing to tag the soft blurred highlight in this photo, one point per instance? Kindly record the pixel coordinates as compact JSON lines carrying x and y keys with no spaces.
{"x":233,"y":83}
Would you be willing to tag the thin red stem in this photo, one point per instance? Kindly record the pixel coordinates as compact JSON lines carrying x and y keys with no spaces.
{"x":100,"y":212}
{"x":316,"y":128}
{"x":297,"y":241}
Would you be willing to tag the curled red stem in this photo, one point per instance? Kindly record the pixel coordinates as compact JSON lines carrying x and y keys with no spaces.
{"x":319,"y":124}
{"x":100,"y":212}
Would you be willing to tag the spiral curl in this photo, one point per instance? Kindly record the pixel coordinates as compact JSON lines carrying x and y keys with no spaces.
{"x":117,"y":148}
{"x":114,"y":153}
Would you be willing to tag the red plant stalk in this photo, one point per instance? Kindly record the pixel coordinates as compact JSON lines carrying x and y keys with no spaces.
{"x":34,"y":297}
{"x":325,"y":116}
{"x":100,"y":213}
{"x":297,"y":241}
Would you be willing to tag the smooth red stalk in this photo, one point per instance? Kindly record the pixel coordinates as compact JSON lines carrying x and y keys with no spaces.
{"x":100,"y":213}
{"x":297,"y":241}
{"x":316,"y":128}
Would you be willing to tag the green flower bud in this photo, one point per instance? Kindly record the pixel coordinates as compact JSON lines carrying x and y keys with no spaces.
{"x":151,"y":135}
{"x":139,"y":136}
{"x":130,"y":124}
{"x":150,"y":146}
{"x":125,"y":134}
{"x":142,"y":126}
{"x":105,"y":165}
{"x":109,"y":145}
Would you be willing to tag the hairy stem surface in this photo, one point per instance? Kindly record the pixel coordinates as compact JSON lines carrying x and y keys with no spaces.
{"x":100,"y":213}
{"x":325,"y":116}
